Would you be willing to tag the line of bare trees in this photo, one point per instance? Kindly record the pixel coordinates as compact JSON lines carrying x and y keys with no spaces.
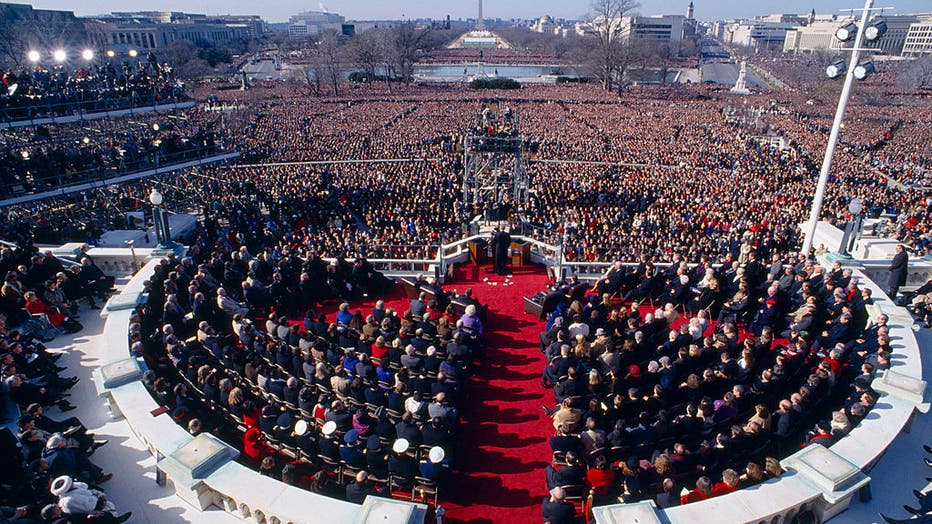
{"x":610,"y":52}
{"x":388,"y":53}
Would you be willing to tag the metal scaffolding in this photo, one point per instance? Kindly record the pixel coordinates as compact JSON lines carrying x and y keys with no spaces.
{"x":495,"y":179}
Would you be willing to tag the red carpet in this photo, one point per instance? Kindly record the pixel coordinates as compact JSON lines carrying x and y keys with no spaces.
{"x":505,"y":444}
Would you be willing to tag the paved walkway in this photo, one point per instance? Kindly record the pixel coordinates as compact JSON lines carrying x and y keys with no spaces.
{"x":133,"y":487}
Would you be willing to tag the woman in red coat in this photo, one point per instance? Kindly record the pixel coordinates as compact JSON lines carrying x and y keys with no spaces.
{"x":35,"y":306}
{"x":600,"y":477}
{"x":253,"y":446}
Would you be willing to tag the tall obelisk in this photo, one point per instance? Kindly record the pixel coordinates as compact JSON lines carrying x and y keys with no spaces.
{"x":480,"y":25}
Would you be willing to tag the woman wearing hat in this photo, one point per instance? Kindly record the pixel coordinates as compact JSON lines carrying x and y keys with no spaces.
{"x":75,"y":498}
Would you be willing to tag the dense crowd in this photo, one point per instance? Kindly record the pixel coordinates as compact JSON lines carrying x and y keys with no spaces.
{"x":690,"y":182}
{"x":362,"y":402}
{"x":690,"y":400}
{"x":45,"y":469}
{"x":32,"y":160}
{"x":41,"y":92}
{"x":735,"y":366}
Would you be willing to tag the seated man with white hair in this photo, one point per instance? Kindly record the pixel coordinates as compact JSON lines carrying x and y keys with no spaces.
{"x":556,"y":510}
{"x":229,"y":306}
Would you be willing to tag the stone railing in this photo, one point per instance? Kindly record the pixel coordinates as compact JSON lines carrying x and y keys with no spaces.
{"x":818,"y":479}
{"x":203,"y":469}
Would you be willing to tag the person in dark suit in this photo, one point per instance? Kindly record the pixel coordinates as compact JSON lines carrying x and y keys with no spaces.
{"x":898,"y":270}
{"x":569,"y":475}
{"x":356,"y":492}
{"x":556,"y":510}
{"x":501,"y":242}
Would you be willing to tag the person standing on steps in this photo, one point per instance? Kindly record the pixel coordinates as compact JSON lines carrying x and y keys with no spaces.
{"x":501,"y":243}
{"x":898,"y":270}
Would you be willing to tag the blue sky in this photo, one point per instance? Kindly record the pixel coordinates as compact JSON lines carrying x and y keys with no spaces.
{"x":278,"y":11}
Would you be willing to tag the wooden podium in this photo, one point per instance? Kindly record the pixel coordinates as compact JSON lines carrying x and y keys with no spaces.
{"x":520,"y":253}
{"x":478,"y":251}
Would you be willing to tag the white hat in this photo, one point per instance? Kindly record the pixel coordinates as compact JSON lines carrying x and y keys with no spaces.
{"x":401,"y":445}
{"x":329,"y":428}
{"x":61,"y":485}
{"x":300,"y":428}
{"x":436,"y":454}
{"x":55,"y":441}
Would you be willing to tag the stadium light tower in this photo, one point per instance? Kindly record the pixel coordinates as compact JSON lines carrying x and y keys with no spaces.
{"x":843,"y":34}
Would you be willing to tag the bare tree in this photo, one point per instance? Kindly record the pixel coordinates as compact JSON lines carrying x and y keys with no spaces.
{"x":367,"y":53}
{"x":312,"y":74}
{"x":329,"y":54}
{"x":608,"y":32}
{"x":406,"y":39}
{"x":662,"y":57}
{"x":918,"y":75}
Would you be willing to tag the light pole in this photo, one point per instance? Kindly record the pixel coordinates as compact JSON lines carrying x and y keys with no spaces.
{"x":836,"y":127}
{"x":163,"y":233}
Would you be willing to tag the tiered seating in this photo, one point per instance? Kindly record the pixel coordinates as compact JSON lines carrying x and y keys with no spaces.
{"x":282,"y":389}
{"x":666,"y":398}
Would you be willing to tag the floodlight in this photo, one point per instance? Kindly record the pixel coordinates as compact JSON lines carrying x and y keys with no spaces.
{"x":836,"y":69}
{"x":846,"y":32}
{"x":87,"y":54}
{"x":133,"y":53}
{"x":855,"y":206}
{"x":875,"y":29}
{"x":33,"y":56}
{"x":155,"y":197}
{"x":110,"y":53}
{"x":60,"y":55}
{"x":863,"y":70}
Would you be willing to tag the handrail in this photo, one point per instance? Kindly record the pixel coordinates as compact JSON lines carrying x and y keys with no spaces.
{"x":147,"y":160}
{"x":219,"y":156}
{"x":26,"y":115}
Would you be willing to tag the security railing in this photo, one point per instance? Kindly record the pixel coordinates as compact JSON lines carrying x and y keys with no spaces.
{"x":59,"y":183}
{"x":38,"y":110}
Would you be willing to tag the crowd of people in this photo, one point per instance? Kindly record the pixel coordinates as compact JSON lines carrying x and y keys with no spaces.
{"x":45,"y":467}
{"x":44,"y":158}
{"x":735,"y":366}
{"x":692,"y":182}
{"x":106,"y":84}
{"x":752,"y":351}
{"x":355,"y":404}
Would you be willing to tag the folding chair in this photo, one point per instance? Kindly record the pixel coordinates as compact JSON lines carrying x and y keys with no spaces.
{"x":424,"y":486}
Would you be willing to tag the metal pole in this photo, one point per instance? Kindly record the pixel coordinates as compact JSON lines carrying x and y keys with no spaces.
{"x":157,"y":223}
{"x":816,"y":211}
